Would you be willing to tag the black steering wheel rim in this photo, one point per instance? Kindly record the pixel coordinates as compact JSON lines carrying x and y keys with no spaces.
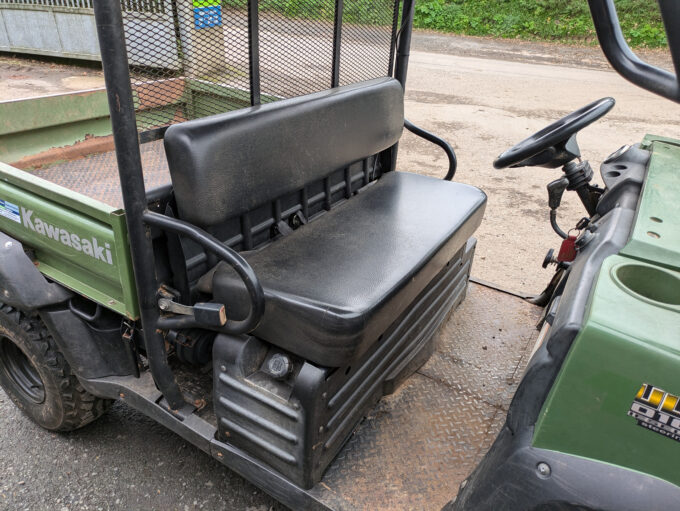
{"x":557,"y":132}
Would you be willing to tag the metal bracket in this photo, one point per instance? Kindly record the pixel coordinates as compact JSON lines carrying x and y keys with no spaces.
{"x":208,"y":314}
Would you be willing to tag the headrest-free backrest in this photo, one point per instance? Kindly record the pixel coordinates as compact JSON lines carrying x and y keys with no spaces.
{"x":225,"y":165}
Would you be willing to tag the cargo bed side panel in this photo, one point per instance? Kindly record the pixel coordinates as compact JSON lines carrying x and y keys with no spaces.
{"x":76,"y":241}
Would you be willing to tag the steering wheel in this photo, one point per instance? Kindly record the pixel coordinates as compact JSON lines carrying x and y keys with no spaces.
{"x":553,"y":145}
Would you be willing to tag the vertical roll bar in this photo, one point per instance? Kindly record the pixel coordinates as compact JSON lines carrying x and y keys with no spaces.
{"x":109,"y":20}
{"x":404,"y":44}
{"x":337,"y":41}
{"x":401,"y":69}
{"x":254,"y":51}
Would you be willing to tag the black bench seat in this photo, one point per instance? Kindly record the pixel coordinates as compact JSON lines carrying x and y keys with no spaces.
{"x":353,"y":297}
{"x":333,"y":286}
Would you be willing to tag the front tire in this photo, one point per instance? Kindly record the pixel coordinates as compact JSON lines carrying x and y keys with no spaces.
{"x":37,"y":378}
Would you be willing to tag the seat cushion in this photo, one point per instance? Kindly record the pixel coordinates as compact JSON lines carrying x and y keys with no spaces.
{"x":333,"y":286}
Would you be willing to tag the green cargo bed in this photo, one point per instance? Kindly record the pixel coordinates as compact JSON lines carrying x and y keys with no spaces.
{"x":76,"y":238}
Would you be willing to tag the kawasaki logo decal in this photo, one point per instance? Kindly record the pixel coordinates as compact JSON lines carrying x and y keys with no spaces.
{"x":657,"y":410}
{"x":88,"y":246}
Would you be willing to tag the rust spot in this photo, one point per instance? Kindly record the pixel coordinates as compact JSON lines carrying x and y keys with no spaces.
{"x":219,"y":455}
{"x":179,"y":116}
{"x":90,"y":92}
{"x":159,"y":93}
{"x":91,"y":145}
{"x":121,"y":395}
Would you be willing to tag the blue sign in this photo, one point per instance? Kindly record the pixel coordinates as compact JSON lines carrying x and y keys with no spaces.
{"x":206,"y":17}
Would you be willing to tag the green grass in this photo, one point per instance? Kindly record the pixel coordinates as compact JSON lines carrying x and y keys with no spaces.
{"x":372,"y":12}
{"x":551,"y":20}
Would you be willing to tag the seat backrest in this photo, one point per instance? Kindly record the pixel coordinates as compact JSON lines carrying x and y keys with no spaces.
{"x":225,"y":165}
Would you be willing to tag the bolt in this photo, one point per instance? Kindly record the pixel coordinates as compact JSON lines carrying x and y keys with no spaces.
{"x":279,"y":366}
{"x":543,"y":469}
{"x":223,"y":369}
{"x":163,"y":306}
{"x":8,"y":245}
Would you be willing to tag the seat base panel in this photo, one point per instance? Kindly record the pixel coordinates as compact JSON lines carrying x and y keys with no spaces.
{"x":299,"y":424}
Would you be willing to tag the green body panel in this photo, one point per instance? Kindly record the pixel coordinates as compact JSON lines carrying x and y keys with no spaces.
{"x":656,"y":235}
{"x":631,"y":337}
{"x":77,"y":241}
{"x":48,"y":111}
{"x":31,"y":126}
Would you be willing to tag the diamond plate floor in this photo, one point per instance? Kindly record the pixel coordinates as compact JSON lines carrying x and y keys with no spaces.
{"x":97,"y":176}
{"x":417,"y":445}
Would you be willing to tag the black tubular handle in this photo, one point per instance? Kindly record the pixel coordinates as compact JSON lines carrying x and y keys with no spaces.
{"x":431,"y":137}
{"x":622,"y":58}
{"x":226,"y":254}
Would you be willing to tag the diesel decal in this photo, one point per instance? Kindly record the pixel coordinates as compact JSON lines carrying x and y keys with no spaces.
{"x":657,"y":410}
{"x":88,"y":246}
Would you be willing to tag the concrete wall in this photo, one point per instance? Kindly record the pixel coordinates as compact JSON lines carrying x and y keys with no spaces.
{"x":66,"y":28}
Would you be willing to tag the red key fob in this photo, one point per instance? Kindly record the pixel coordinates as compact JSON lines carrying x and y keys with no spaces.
{"x":567,"y":250}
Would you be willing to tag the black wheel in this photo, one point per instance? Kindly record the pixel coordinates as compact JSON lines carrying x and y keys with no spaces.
{"x":37,"y":378}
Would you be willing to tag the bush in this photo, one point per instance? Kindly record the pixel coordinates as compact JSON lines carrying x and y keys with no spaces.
{"x":556,"y":20}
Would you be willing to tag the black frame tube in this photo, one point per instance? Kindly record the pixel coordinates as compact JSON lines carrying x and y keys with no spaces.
{"x":404,"y":43}
{"x":395,"y":34}
{"x":389,"y":156}
{"x":670,"y":13}
{"x":226,"y":254}
{"x":254,"y":51}
{"x":109,"y":22}
{"x":431,"y":137}
{"x":337,"y":42}
{"x":622,"y":58}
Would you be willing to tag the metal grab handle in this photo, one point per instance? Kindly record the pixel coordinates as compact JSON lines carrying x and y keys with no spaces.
{"x":226,"y":254}
{"x":627,"y":63}
{"x":431,"y":137}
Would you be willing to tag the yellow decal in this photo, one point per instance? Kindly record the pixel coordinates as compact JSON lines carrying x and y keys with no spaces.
{"x":657,"y":410}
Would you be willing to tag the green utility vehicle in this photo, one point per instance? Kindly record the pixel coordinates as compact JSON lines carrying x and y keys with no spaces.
{"x":220,"y":239}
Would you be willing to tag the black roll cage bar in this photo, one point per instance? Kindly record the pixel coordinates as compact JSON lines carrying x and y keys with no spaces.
{"x":627,"y":63}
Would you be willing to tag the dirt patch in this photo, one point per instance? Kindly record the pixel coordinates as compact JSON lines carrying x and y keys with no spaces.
{"x":22,"y":77}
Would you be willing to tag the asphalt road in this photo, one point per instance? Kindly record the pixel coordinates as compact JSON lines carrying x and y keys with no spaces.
{"x":483,"y":96}
{"x":123,"y":461}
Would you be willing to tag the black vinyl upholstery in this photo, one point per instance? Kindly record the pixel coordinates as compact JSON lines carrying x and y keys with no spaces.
{"x":335,"y":285}
{"x":225,"y":165}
